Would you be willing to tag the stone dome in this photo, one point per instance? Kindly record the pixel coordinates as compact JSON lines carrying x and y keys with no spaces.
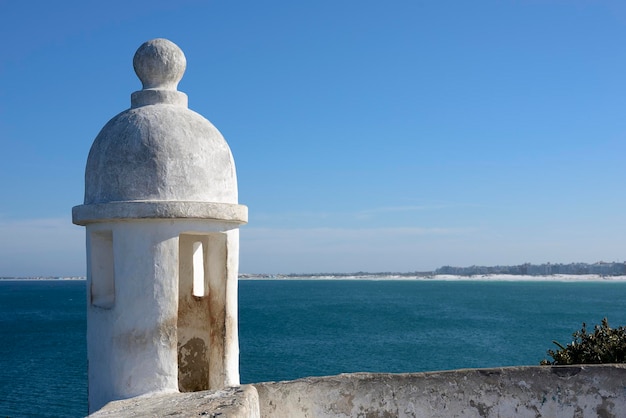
{"x":159,"y":151}
{"x":162,"y":153}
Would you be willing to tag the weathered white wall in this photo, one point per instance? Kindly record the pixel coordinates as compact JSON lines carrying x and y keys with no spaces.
{"x":160,"y":180}
{"x":134,"y":338}
{"x":548,"y":392}
{"x":589,"y":391}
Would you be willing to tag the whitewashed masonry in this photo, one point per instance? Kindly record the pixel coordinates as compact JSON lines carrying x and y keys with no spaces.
{"x":162,"y":216}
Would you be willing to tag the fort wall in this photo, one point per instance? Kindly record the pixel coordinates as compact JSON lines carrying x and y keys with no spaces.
{"x":534,"y":391}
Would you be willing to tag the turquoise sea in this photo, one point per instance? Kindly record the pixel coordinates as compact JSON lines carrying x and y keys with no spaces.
{"x":296,"y":328}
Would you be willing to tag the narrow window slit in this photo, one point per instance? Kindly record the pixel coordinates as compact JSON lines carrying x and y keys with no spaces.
{"x":102,"y":270}
{"x":198,"y":270}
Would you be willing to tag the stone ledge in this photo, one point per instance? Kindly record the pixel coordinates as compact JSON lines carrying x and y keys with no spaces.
{"x":526,"y":392}
{"x":236,"y":402}
{"x":103,"y":212}
{"x":588,"y":391}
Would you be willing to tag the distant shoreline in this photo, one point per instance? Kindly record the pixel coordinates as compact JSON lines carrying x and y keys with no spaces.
{"x":393,"y":277}
{"x":445,"y":277}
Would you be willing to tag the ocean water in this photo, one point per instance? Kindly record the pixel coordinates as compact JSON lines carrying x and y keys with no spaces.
{"x":43,"y":364}
{"x":296,"y":328}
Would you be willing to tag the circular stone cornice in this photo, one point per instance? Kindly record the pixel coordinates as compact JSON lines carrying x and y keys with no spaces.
{"x":110,"y":211}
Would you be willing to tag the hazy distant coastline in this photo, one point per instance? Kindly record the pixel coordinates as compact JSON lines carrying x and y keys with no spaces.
{"x":373,"y":276}
{"x":441,"y":277}
{"x":600,"y":271}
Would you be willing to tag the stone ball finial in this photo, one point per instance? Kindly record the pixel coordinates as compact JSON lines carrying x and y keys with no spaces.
{"x":159,"y":64}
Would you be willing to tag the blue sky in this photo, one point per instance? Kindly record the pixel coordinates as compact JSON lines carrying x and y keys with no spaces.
{"x":368,"y":135}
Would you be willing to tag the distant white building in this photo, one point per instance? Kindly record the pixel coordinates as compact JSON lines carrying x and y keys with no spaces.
{"x":162,"y":216}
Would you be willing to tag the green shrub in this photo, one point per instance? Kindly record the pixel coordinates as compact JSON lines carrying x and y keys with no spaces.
{"x":603,"y":345}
